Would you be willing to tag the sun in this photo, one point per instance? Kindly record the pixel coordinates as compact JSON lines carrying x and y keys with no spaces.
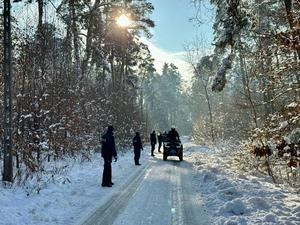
{"x":123,"y":21}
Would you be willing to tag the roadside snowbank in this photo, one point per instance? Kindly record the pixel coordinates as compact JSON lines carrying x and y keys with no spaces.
{"x":233,"y":198}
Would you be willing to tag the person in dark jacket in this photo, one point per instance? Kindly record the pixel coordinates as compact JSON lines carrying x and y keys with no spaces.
{"x":173,"y":135}
{"x":108,"y":151}
{"x":160,"y":140}
{"x":165,"y":136}
{"x":137,"y":147}
{"x":153,"y":142}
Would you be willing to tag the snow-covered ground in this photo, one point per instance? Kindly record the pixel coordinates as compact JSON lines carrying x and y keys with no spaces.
{"x":66,"y":202}
{"x":234,"y":198}
{"x":225,"y":194}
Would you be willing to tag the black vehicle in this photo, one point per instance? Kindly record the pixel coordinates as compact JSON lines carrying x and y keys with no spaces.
{"x":172,"y":148}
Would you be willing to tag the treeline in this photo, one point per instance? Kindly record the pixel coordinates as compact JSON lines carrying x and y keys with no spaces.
{"x":254,"y":81}
{"x":166,"y":101}
{"x":74,"y":72}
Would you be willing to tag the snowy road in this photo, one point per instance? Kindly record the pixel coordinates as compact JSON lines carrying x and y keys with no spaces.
{"x":206,"y":188}
{"x":159,"y":193}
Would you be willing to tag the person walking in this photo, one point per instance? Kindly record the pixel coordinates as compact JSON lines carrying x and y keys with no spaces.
{"x":108,"y":151}
{"x":153,"y":142}
{"x":160,"y":140}
{"x":137,"y":147}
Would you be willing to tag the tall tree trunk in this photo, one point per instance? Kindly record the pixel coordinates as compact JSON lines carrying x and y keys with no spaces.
{"x":207,"y":98}
{"x":212,"y":133}
{"x":75,"y":37}
{"x":40,"y":75}
{"x":246,"y":85}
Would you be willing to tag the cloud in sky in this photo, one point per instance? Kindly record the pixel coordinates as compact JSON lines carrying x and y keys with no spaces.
{"x":162,"y":56}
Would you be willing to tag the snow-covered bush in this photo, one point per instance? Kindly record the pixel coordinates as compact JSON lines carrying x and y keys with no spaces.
{"x":276,"y":146}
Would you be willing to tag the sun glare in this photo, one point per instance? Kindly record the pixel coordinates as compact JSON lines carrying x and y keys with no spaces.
{"x":123,"y":21}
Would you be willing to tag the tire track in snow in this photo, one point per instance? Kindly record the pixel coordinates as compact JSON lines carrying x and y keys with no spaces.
{"x":107,"y":213}
{"x":152,"y":204}
{"x":176,"y":198}
{"x":195,"y":213}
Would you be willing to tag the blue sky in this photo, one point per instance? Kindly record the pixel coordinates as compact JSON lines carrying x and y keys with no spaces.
{"x":173,"y":30}
{"x":173,"y":27}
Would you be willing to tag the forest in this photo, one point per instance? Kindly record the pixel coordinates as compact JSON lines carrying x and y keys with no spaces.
{"x":76,"y":71}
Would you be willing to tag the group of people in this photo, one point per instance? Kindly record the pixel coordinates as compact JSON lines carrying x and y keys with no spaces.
{"x":172,"y":136}
{"x":108,"y":150}
{"x":153,"y":141}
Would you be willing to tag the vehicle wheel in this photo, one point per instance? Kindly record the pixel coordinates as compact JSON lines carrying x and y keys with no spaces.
{"x":165,"y":157}
{"x":180,"y":156}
